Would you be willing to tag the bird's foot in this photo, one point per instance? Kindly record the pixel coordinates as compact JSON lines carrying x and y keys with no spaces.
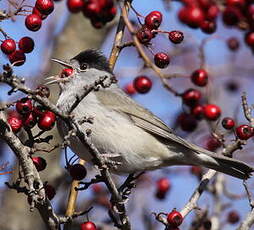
{"x":110,"y":160}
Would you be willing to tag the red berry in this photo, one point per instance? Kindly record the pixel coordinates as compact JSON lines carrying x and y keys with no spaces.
{"x":24,"y":106}
{"x":233,"y":217}
{"x":29,"y":120}
{"x":66,"y":72}
{"x":8,"y":46}
{"x":144,"y":35}
{"x":33,"y":22}
{"x":97,"y":24}
{"x":231,"y":16}
{"x":45,"y":6}
{"x":17,"y":58}
{"x":50,"y":191}
{"x":182,"y":14}
{"x":142,"y":84}
{"x":187,"y":122}
{"x":153,"y":20}
{"x":43,"y":91}
{"x":204,"y":4}
{"x":92,"y":9}
{"x":38,"y":111}
{"x":194,"y":17}
{"x":47,"y":120}
{"x":233,"y":43}
{"x":249,"y":39}
{"x":89,"y":225}
{"x":191,"y":97}
{"x":77,"y":172}
{"x":161,"y":60}
{"x":176,"y":36}
{"x":26,"y":44}
{"x":163,"y":185}
{"x":236,"y":3}
{"x":244,"y":132}
{"x":174,"y":218}
{"x":109,"y":14}
{"x":36,"y":11}
{"x":199,"y":77}
{"x":40,"y":163}
{"x":196,"y":170}
{"x":97,"y":188}
{"x":107,"y":4}
{"x":228,"y":123}
{"x":197,"y":111}
{"x":129,"y":89}
{"x":212,"y":12}
{"x":212,"y":112}
{"x":15,"y":121}
{"x":75,"y":6}
{"x":208,"y":27}
{"x":212,"y":144}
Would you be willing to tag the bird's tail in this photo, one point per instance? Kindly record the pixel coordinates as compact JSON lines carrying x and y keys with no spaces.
{"x":202,"y":157}
{"x":226,"y":165}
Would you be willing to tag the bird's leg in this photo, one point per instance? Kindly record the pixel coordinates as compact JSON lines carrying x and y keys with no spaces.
{"x":110,"y":160}
{"x":128,"y":185}
{"x":97,"y":179}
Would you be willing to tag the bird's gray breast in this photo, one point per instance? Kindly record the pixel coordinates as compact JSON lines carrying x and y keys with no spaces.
{"x":114,"y":134}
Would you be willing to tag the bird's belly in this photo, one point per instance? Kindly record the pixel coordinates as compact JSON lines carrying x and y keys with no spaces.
{"x":118,"y":139}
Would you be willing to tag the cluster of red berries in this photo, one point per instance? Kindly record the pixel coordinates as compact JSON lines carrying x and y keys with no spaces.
{"x":192,"y":99}
{"x":27,"y":115}
{"x":149,"y":30}
{"x":41,"y":164}
{"x":17,"y":57}
{"x":163,"y":185}
{"x":199,"y":14}
{"x":174,"y":219}
{"x":243,"y":132}
{"x":141,"y":84}
{"x":98,"y":11}
{"x":40,"y":12}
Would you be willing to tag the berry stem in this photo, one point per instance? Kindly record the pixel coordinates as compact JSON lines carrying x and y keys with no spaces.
{"x":136,"y":12}
{"x":142,"y":53}
{"x":4,"y":34}
{"x":160,"y":31}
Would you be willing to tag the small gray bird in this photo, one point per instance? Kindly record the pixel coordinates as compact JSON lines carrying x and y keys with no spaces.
{"x":124,"y":131}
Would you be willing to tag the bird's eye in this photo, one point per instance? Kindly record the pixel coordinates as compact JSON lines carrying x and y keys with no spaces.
{"x":83,"y":66}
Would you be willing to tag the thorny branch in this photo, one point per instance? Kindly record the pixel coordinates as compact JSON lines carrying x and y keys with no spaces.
{"x":31,"y":174}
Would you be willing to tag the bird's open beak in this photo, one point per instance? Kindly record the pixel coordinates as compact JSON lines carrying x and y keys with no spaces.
{"x":57,"y":78}
{"x":65,"y":64}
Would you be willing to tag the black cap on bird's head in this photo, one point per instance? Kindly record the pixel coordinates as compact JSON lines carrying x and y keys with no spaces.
{"x":90,"y":59}
{"x":93,"y":59}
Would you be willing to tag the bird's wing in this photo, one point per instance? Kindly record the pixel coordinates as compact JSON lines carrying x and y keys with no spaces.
{"x":117,"y":100}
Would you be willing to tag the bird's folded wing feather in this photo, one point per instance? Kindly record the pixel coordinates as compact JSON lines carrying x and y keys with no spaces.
{"x":141,"y":117}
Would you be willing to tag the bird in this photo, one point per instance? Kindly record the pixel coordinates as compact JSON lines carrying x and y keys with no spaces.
{"x":122,"y":130}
